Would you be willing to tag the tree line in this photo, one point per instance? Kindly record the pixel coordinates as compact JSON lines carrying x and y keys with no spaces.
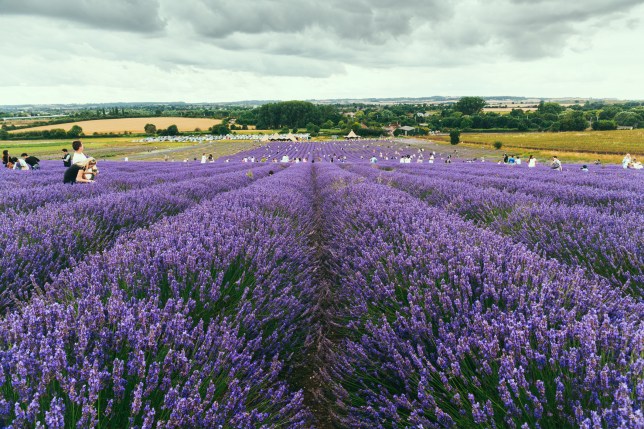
{"x":367,"y":120}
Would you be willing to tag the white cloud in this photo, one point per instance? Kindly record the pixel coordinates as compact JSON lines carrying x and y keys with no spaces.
{"x":207,"y":50}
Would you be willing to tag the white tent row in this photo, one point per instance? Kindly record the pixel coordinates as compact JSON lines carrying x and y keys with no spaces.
{"x":211,"y":138}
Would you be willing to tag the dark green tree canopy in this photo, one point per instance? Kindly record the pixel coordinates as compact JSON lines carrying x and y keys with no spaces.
{"x":75,"y":132}
{"x":295,"y":114}
{"x":470,"y":105}
{"x":150,"y":129}
{"x":455,"y":137}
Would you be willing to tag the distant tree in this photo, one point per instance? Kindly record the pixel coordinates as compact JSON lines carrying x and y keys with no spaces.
{"x":220,"y":130}
{"x":455,"y":137}
{"x":550,"y":108}
{"x":627,"y":119}
{"x":573,"y":120}
{"x":369,"y":132}
{"x":498,"y":145}
{"x":295,"y":130}
{"x":58,"y":133}
{"x":470,"y":105}
{"x":294,"y":114}
{"x":603,"y":125}
{"x":4,"y":134}
{"x":312,"y":128}
{"x":327,"y":125}
{"x":466,"y":122}
{"x":284,"y":130}
{"x":150,"y":129}
{"x":609,"y":112}
{"x":172,"y":130}
{"x":524,"y":125}
{"x":75,"y":131}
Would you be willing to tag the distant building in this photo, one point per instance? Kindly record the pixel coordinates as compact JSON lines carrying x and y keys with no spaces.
{"x":624,"y":128}
{"x":407,"y":129}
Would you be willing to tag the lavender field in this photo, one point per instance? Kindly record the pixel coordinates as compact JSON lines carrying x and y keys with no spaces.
{"x":328,"y":292}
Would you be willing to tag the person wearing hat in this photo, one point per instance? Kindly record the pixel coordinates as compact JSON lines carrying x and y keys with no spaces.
{"x":67,"y":158}
{"x":83,"y":172}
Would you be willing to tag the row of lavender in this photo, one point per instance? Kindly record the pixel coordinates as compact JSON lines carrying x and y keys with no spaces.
{"x":355,"y":151}
{"x":602,"y":231}
{"x":27,"y":190}
{"x":196,"y":321}
{"x":213,"y":316}
{"x":37,"y":244}
{"x":445,"y":324}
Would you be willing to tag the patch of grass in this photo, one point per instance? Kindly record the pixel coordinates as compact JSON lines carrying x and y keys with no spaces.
{"x":608,"y":146}
{"x":118,"y":147}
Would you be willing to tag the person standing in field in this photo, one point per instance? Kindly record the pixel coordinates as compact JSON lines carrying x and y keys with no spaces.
{"x":67,"y":159}
{"x":518,"y":160}
{"x":626,"y":160}
{"x":6,"y":159}
{"x":556,"y":164}
{"x":532,"y":162}
{"x":203,"y":158}
{"x":79,"y":155}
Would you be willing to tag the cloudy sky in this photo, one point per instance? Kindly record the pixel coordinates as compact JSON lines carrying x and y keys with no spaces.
{"x":76,"y":51}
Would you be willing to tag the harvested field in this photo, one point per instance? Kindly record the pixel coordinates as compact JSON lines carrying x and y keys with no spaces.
{"x":130,"y":125}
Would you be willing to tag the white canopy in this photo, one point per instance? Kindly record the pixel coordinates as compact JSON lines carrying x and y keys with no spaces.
{"x":352,"y":135}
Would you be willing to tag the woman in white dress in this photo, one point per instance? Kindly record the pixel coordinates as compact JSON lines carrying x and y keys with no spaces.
{"x":532,"y":162}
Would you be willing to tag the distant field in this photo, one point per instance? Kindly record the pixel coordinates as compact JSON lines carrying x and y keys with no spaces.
{"x":505,"y":110}
{"x":606,"y":145}
{"x":117,"y":148}
{"x":131,"y":125}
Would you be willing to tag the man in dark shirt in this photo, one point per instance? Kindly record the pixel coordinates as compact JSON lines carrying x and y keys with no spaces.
{"x":32,"y":161}
{"x":67,"y":158}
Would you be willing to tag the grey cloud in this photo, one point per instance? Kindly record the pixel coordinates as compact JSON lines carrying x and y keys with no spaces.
{"x":294,"y":38}
{"x":360,"y":20}
{"x":543,"y":28}
{"x":127,"y":15}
